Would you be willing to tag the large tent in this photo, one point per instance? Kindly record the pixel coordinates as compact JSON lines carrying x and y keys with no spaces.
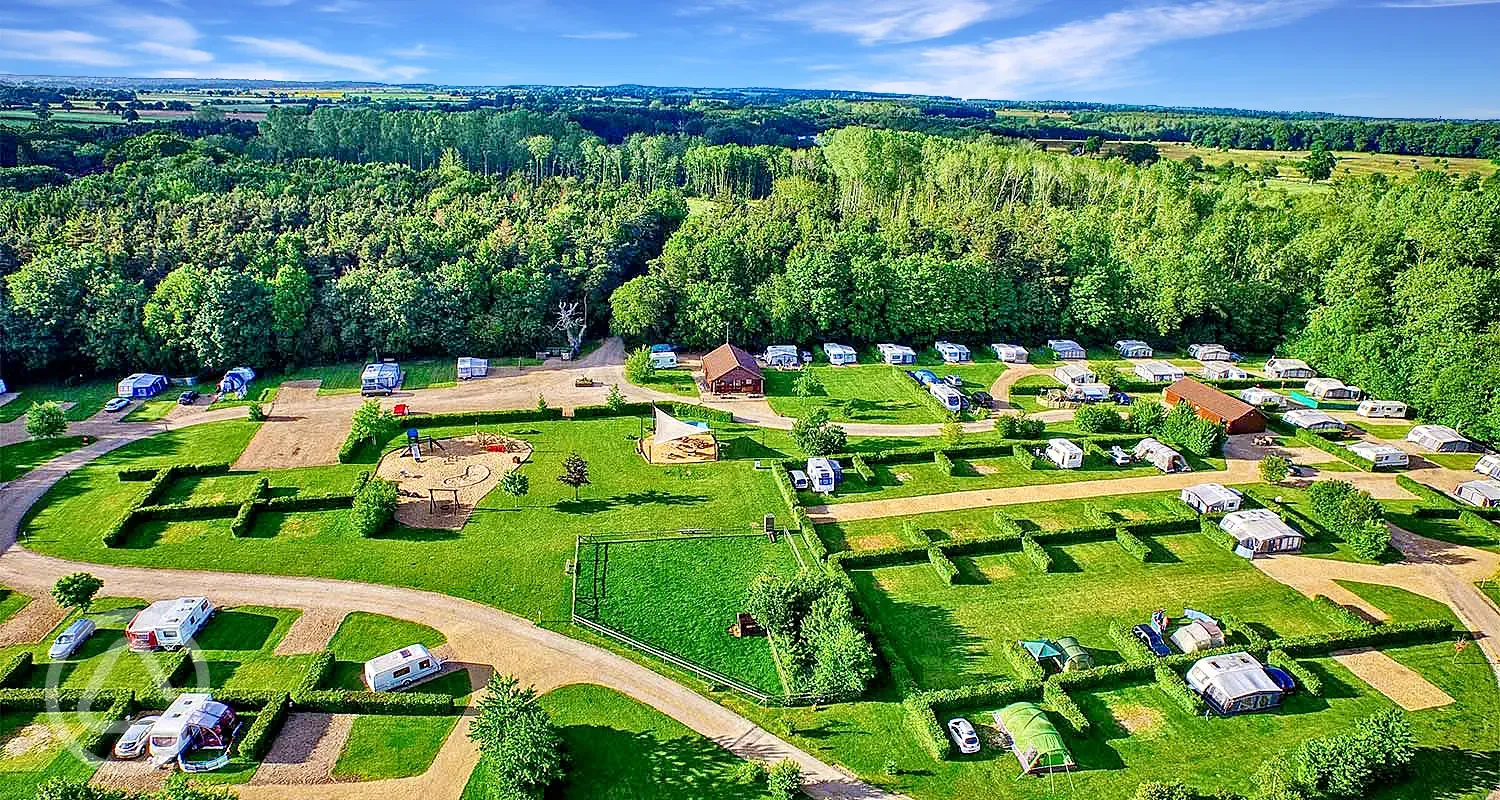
{"x":675,"y":441}
{"x":1034,"y":739}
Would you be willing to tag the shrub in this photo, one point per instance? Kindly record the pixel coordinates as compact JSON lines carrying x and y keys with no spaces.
{"x":1036,"y":553}
{"x":806,"y":384}
{"x":1063,"y":705}
{"x":944,"y":462}
{"x":14,"y":672}
{"x":1023,"y":663}
{"x":1151,"y":790}
{"x":816,"y":436}
{"x":1370,"y":540}
{"x":1096,"y":418}
{"x":810,"y":617}
{"x":316,"y":673}
{"x":1146,"y":416}
{"x":784,"y":780}
{"x":1306,"y":679}
{"x":945,"y":568}
{"x":1176,"y":689}
{"x":1020,"y":427}
{"x":374,"y":507}
{"x":46,"y":420}
{"x":1274,"y":468}
{"x":257,"y":412}
{"x":1132,"y":545}
{"x":257,"y":740}
{"x":1193,"y":433}
{"x":371,"y":426}
{"x":638,"y":367}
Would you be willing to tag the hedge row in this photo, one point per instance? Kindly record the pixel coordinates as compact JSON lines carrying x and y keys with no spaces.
{"x":1234,"y":626}
{"x":944,"y":566}
{"x":1176,"y":689}
{"x":1058,"y":700}
{"x":1006,"y":525}
{"x":944,"y":462}
{"x":1340,"y":615}
{"x":1474,"y":523}
{"x":1132,"y":545}
{"x":1025,"y":666}
{"x":914,"y":533}
{"x":240,"y":525}
{"x":988,"y":693}
{"x":257,"y":740}
{"x":1218,"y":535}
{"x":328,"y":501}
{"x":1306,"y":678}
{"x":1026,"y":459}
{"x":341,"y":701}
{"x":16,"y":669}
{"x":1426,"y":493}
{"x":862,"y":469}
{"x":1036,"y":553}
{"x":61,"y":699}
{"x":1388,"y":635}
{"x":1336,"y":448}
{"x":316,"y":673}
{"x":924,"y":724}
{"x":177,"y":668}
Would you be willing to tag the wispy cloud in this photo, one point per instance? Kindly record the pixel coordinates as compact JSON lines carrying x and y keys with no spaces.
{"x":1091,"y":52}
{"x":191,"y":55}
{"x":256,"y":71}
{"x":418,"y":50}
{"x":601,"y":35}
{"x":294,"y":50}
{"x":75,"y":47}
{"x":883,"y":21}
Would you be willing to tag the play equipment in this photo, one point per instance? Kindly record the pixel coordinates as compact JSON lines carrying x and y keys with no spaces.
{"x":414,"y":442}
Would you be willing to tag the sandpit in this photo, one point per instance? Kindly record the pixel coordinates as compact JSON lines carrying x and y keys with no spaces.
{"x":442,"y":489}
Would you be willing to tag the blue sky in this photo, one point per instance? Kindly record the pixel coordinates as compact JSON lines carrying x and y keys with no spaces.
{"x":1378,"y":57}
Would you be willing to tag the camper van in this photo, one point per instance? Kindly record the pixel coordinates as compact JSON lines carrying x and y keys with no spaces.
{"x":380,"y":378}
{"x":824,"y":475}
{"x":399,"y":669}
{"x":951,"y":398}
{"x":1381,"y":409}
{"x":193,"y":721}
{"x":168,"y":624}
{"x":1064,"y":454}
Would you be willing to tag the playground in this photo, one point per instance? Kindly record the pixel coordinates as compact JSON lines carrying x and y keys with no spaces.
{"x":440,"y":481}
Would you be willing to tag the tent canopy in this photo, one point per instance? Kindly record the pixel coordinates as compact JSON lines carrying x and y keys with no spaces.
{"x":1041,"y":649}
{"x":1036,"y":740}
{"x":670,"y":428}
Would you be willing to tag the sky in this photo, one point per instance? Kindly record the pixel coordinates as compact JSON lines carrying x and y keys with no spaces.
{"x":1417,"y":58}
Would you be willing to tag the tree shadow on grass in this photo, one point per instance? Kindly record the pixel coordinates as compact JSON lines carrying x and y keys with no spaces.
{"x":926,"y":638}
{"x":594,"y":505}
{"x":608,"y":762}
{"x":1446,"y":773}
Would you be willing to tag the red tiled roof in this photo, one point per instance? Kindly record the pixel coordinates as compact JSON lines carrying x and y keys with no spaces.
{"x":724,"y":359}
{"x":1207,"y":398}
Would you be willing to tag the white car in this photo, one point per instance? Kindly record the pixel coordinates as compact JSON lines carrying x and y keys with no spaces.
{"x":963,"y":735}
{"x":132,"y":743}
{"x":117,"y":404}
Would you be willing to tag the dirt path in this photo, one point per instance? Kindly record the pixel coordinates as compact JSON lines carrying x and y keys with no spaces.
{"x":1403,"y":685}
{"x":35,"y":620}
{"x":310,"y":632}
{"x":305,"y":751}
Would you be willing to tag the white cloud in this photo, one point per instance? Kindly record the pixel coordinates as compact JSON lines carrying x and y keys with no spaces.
{"x":156,"y":28}
{"x":1089,"y":52}
{"x":294,"y":50}
{"x":601,"y":35}
{"x":878,"y":21}
{"x":418,"y":50}
{"x":190,"y":55}
{"x":250,"y":72}
{"x":75,"y":47}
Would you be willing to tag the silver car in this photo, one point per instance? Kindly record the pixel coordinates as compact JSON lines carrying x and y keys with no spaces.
{"x":72,"y":637}
{"x":132,"y":743}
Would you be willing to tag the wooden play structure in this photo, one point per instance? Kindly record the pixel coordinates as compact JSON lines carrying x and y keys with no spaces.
{"x":440,"y":481}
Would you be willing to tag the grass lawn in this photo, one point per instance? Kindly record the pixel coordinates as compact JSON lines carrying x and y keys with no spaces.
{"x":1403,"y":606}
{"x":1463,"y":461}
{"x":621,"y":749}
{"x":971,"y":522}
{"x":432,"y":373}
{"x":363,"y":636}
{"x":1390,"y":431}
{"x":36,"y":749}
{"x":87,"y":397}
{"x":950,"y":635}
{"x":682,"y":594}
{"x":392,"y":746}
{"x":906,"y":480}
{"x":11,"y":602}
{"x":1447,"y":530}
{"x":506,"y":556}
{"x":676,"y":381}
{"x":157,"y":407}
{"x":22,"y":457}
{"x":1031,"y":403}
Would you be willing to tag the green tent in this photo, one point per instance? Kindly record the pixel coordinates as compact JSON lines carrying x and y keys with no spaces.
{"x":1034,"y":739}
{"x":1074,"y":657}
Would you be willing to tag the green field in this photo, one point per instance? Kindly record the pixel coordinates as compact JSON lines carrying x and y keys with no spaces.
{"x":951,"y":635}
{"x":876,"y":392}
{"x":681,"y":595}
{"x":87,"y":397}
{"x":22,"y":457}
{"x":506,"y":556}
{"x":433,"y":373}
{"x":10,"y":603}
{"x":23,"y":768}
{"x":676,"y":381}
{"x":621,"y":749}
{"x":384,"y":746}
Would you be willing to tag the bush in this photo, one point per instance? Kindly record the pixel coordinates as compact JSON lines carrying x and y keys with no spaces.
{"x":1097,"y":418}
{"x":16,"y":668}
{"x":338,"y":701}
{"x":1132,"y":545}
{"x":784,"y":780}
{"x":1151,"y":790}
{"x":1274,"y":469}
{"x":257,"y":740}
{"x":1063,"y":705}
{"x":1307,"y":680}
{"x":638,"y":368}
{"x":1023,"y":663}
{"x":810,"y":617}
{"x":1036,"y":553}
{"x":374,"y":507}
{"x":1176,"y":689}
{"x":944,"y":462}
{"x":945,"y":568}
{"x":1020,"y":427}
{"x":316,"y":673}
{"x":1370,"y":540}
{"x":1193,"y":433}
{"x":1145,"y":416}
{"x":257,"y":412}
{"x":46,"y":420}
{"x":816,"y":436}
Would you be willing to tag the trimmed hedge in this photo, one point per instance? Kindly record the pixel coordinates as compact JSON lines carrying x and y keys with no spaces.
{"x":257,"y":740}
{"x":1306,"y":678}
{"x":1388,"y":635}
{"x":1234,"y":626}
{"x":1036,"y":553}
{"x":878,"y":557}
{"x":1426,"y":493}
{"x":862,"y":468}
{"x":944,"y":462}
{"x":1025,"y":458}
{"x":177,"y":512}
{"x":1006,"y":525}
{"x":916,"y":534}
{"x":996,"y":693}
{"x":1058,"y":700}
{"x":340,"y":701}
{"x":178,"y":667}
{"x":66,"y":699}
{"x":1219,"y":536}
{"x":241,"y":523}
{"x":924,"y":724}
{"x":138,"y":473}
{"x":601,"y":411}
{"x":1176,"y":689}
{"x":1132,"y":545}
{"x":1341,"y":616}
{"x":316,"y":673}
{"x":1024,"y":664}
{"x":1131,"y":649}
{"x":16,"y":669}
{"x":311,"y":502}
{"x":945,"y":568}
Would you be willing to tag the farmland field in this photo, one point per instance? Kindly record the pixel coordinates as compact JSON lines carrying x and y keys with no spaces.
{"x":681,"y":594}
{"x":1349,"y":163}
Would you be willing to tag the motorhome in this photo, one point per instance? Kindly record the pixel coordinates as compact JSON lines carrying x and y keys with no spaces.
{"x":399,"y":669}
{"x":194,"y":721}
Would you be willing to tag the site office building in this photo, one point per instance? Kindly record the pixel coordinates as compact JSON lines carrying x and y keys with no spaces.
{"x":1235,"y":415}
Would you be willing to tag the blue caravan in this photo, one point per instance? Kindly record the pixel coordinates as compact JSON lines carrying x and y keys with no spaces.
{"x":381,"y":378}
{"x":236,"y":381}
{"x":141,"y":386}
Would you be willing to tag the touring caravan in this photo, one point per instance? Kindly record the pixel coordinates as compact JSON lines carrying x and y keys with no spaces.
{"x":1489,"y":466}
{"x":1485,"y":494}
{"x":141,"y":386}
{"x":1070,"y":374}
{"x":840,"y":354}
{"x":194,"y":721}
{"x":1332,"y":389}
{"x":1209,"y":352}
{"x":782,"y":355}
{"x":896,"y":353}
{"x":1211,"y":498}
{"x":1067,"y":349}
{"x":469,"y":367}
{"x":383,"y":377}
{"x":952,"y":352}
{"x":168,"y":624}
{"x":1065,"y":454}
{"x":1381,"y":409}
{"x":1382,"y":456}
{"x":399,"y":669}
{"x":1011,"y":353}
{"x":824,"y":475}
{"x":1133,"y":348}
{"x":1235,"y":683}
{"x":951,"y":398}
{"x":663,"y":359}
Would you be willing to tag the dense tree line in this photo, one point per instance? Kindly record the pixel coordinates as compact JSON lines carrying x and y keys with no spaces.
{"x":347,"y":233}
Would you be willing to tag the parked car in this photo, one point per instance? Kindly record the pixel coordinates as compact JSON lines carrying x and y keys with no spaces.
{"x":117,"y":404}
{"x":1118,"y":455}
{"x":1121,"y":399}
{"x":1152,"y":639}
{"x":1233,"y":356}
{"x":982,"y":399}
{"x":132,"y":743}
{"x":954,"y":381}
{"x":963,"y":735}
{"x":799,"y":479}
{"x":68,"y":642}
{"x":188,"y":397}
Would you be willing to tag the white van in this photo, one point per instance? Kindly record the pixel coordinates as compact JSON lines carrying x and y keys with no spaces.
{"x":401,"y":668}
{"x":799,"y":479}
{"x":1381,"y":409}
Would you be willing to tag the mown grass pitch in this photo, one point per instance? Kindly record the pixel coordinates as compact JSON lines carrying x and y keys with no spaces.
{"x":876,"y":392}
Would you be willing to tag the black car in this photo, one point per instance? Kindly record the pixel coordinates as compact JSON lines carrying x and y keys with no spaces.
{"x":187,"y":398}
{"x":1152,"y":640}
{"x":982,"y":399}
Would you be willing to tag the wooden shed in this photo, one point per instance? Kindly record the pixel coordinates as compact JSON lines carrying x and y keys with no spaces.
{"x":1236,"y":415}
{"x":730,"y":370}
